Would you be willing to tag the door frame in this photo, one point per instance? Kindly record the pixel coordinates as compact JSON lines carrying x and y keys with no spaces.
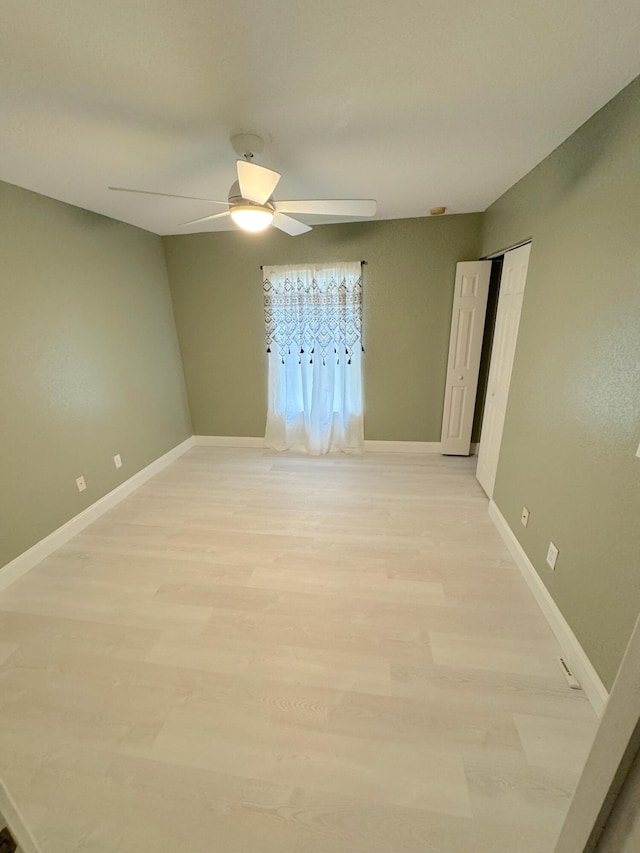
{"x":612,"y":750}
{"x":10,"y":814}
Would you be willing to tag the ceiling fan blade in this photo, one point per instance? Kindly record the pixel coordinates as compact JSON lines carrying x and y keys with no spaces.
{"x":256,"y":183}
{"x":166,"y":195}
{"x":330,"y":206}
{"x":205,"y":218}
{"x":289,"y":225}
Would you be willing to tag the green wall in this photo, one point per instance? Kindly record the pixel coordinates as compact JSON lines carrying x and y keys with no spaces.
{"x":89,"y":362}
{"x":573,"y":418}
{"x":408,"y":293}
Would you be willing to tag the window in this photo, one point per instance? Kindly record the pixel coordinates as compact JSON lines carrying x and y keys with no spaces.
{"x":313,"y":317}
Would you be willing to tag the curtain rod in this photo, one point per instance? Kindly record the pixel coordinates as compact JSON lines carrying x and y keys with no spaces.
{"x":362,"y":264}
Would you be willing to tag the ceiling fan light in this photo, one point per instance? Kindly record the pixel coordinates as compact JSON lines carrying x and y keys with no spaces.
{"x":251,"y":217}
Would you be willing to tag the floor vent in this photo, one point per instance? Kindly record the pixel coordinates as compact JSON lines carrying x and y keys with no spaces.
{"x":571,"y":679}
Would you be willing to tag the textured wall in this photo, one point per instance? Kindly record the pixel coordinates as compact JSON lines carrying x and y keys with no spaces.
{"x":573,"y":419}
{"x":89,"y":363}
{"x":408,"y":291}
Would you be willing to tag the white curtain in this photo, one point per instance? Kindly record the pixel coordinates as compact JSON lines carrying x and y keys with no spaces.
{"x":313,"y":318}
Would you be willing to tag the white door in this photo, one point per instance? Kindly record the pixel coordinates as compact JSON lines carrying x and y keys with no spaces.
{"x":465,"y":347}
{"x":512,"y":283}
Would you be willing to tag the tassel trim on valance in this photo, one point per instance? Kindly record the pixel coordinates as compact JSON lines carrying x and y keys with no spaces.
{"x":323,"y":311}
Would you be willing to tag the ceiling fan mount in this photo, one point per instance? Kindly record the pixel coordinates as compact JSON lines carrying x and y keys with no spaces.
{"x":247,"y":145}
{"x":250,"y":202}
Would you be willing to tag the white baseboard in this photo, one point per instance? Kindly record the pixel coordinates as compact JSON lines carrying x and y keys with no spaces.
{"x":227,"y":441}
{"x":576,"y":656}
{"x":402,"y":446}
{"x":373,"y":446}
{"x":27,"y":560}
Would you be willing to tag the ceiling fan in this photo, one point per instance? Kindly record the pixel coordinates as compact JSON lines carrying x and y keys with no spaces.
{"x":251,"y":204}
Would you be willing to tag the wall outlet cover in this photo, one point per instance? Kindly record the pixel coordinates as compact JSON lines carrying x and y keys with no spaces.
{"x":552,"y":555}
{"x":80,"y":483}
{"x":117,"y":461}
{"x":524,"y":518}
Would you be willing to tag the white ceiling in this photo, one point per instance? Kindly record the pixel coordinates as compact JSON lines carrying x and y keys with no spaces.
{"x":416,"y":103}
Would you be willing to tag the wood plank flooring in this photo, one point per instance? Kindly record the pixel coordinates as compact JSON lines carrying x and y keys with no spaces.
{"x":263,"y":652}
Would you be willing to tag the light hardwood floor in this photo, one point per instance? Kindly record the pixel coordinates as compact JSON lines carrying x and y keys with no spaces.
{"x":262,"y":653}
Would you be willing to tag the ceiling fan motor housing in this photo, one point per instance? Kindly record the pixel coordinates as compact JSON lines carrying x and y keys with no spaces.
{"x":236,"y":198}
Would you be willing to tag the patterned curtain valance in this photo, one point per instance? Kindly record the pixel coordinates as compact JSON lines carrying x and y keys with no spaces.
{"x":313,"y":309}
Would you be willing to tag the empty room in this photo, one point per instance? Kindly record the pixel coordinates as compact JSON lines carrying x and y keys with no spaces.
{"x":319,"y":426}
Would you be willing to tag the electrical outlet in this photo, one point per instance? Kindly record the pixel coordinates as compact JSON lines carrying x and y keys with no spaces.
{"x":524,"y":518}
{"x":117,"y":461}
{"x":552,"y":555}
{"x":80,"y":483}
